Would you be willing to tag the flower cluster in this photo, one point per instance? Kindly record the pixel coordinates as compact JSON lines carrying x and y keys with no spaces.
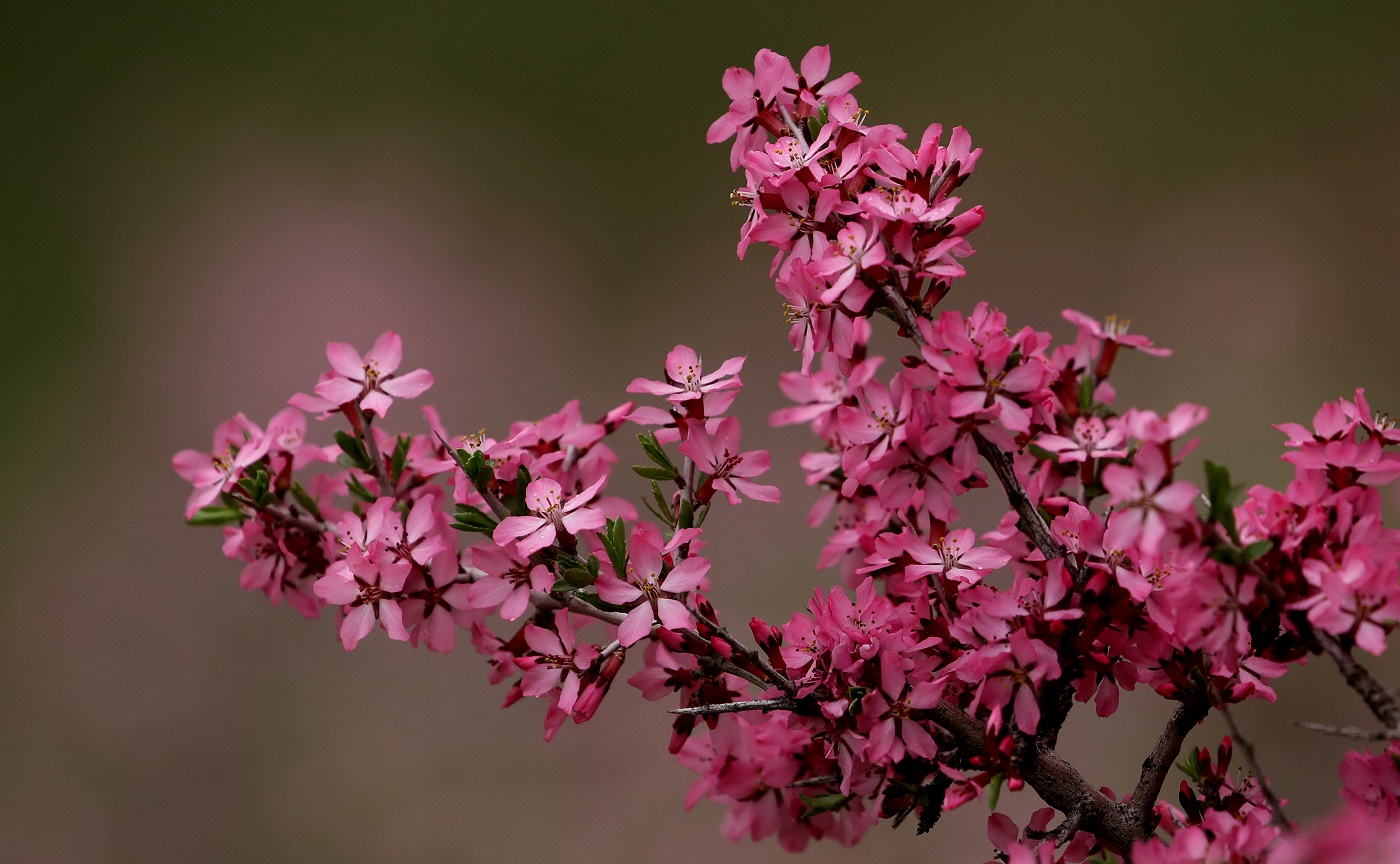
{"x":943,"y":667}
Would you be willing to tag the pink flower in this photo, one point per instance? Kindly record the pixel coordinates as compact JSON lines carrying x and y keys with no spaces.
{"x":238,"y":443}
{"x":644,"y":583}
{"x":552,"y":514}
{"x":729,"y":469}
{"x":370,"y":380}
{"x":508,"y":581}
{"x":557,"y":659}
{"x":1092,"y":440}
{"x":685,"y":378}
{"x":955,"y":557}
{"x":1145,"y":498}
{"x":367,"y":582}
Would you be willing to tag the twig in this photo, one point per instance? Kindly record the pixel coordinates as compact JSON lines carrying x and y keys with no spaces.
{"x":1279,"y":818}
{"x":574,"y":604}
{"x":1157,"y":765}
{"x":1055,"y":780}
{"x":1355,"y":732}
{"x":824,"y":780}
{"x":1028,"y":518}
{"x":785,"y":703}
{"x":1360,"y":679}
{"x":381,"y":470}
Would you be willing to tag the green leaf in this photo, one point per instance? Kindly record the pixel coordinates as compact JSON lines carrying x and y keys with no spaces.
{"x":663,"y":506}
{"x":994,"y":791}
{"x":1087,"y":384}
{"x":614,"y":539}
{"x":355,"y":456}
{"x":647,"y":471}
{"x":300,"y":495}
{"x":655,"y":452}
{"x":1256,"y":550}
{"x":359,"y":491}
{"x":687,"y":515}
{"x":216,"y":515}
{"x":575,"y":577}
{"x":818,"y":804}
{"x":396,"y":462}
{"x":1222,"y":496}
{"x":1190,"y":765}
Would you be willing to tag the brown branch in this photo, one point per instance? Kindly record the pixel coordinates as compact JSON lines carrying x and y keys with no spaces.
{"x":381,"y":469}
{"x":1055,"y":780}
{"x":1028,"y":518}
{"x":786,"y":703}
{"x":1159,"y":762}
{"x":1360,"y":679}
{"x":1355,"y":732}
{"x":1279,"y":818}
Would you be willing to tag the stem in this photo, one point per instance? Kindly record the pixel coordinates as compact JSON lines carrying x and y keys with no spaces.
{"x":1279,"y":818}
{"x":1159,"y":762}
{"x":1355,"y":732}
{"x":783,"y":704}
{"x":1055,"y":780}
{"x":1360,"y":679}
{"x":381,"y":470}
{"x":1029,"y":520}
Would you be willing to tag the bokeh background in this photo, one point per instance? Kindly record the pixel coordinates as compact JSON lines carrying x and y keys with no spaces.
{"x":195,"y":199}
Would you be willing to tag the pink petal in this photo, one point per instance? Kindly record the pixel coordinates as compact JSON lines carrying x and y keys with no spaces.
{"x":686,"y":576}
{"x":391,"y":616}
{"x":376,"y":402}
{"x":636,"y":626}
{"x":543,"y":641}
{"x":539,"y":680}
{"x":387,"y":352}
{"x":345,"y":360}
{"x":356,"y":626}
{"x":515,"y":527}
{"x":336,"y":589}
{"x":516,"y":604}
{"x":339,"y":390}
{"x":410,"y":385}
{"x":674,"y":615}
{"x":613,"y":590}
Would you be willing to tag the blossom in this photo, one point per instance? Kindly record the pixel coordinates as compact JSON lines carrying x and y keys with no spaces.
{"x":685,"y":378}
{"x":371,"y":380}
{"x":238,"y":444}
{"x":644,"y":582}
{"x":719,"y":456}
{"x":551,"y":515}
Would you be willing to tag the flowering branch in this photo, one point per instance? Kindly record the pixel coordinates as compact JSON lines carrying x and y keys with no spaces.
{"x":944,"y":666}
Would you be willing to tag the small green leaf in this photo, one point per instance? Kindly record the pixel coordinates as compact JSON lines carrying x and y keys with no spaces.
{"x":647,"y":471}
{"x":663,"y":506}
{"x":1256,"y":550}
{"x":576,"y":577}
{"x":994,"y":791}
{"x":300,"y":495}
{"x":818,"y":804}
{"x":655,"y":453}
{"x":1087,"y":385}
{"x":396,"y":462}
{"x":687,"y":515}
{"x":216,"y":515}
{"x":354,"y":451}
{"x":359,"y":491}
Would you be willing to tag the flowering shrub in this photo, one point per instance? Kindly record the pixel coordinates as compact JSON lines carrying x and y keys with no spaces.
{"x":942,"y":668}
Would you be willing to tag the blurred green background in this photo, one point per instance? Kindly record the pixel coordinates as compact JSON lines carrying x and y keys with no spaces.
{"x":194,"y":200}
